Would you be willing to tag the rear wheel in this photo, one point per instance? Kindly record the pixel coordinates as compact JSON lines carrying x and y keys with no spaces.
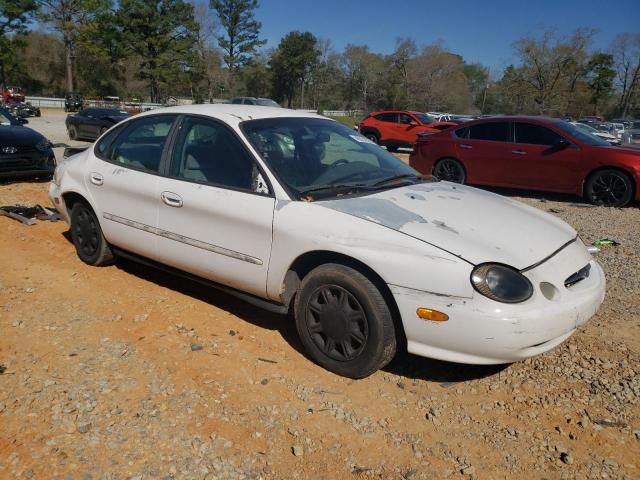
{"x":609,"y":188}
{"x":73,"y":132}
{"x":449,"y":169}
{"x":372,"y":136}
{"x":344,"y":322}
{"x":91,"y":246}
{"x":392,"y":148}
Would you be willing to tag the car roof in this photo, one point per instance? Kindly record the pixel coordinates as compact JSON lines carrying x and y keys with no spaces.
{"x":232,"y":114}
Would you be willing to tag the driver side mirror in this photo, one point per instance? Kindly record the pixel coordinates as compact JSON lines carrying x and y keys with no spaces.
{"x":561,"y":144}
{"x":413,"y":123}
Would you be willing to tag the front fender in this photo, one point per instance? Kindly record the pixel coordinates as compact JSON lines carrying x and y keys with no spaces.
{"x":302,"y":227}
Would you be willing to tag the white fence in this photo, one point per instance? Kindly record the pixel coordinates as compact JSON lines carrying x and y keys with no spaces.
{"x":52,"y":102}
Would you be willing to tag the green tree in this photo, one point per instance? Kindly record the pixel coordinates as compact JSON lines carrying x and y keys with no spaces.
{"x":161,"y":35}
{"x":601,"y":75}
{"x":15,"y":16}
{"x":478,"y":82}
{"x":292,"y":63}
{"x":70,"y":18}
{"x":626,"y":52}
{"x":242,"y":30}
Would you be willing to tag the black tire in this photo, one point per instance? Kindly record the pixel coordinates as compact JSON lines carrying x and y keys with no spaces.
{"x":73,"y":132}
{"x":372,"y":136}
{"x":392,"y":148}
{"x":333,"y":298}
{"x":449,"y":169}
{"x":609,"y":188}
{"x":91,"y":246}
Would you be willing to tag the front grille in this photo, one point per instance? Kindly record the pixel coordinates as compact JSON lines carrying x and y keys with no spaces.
{"x":578,"y":276}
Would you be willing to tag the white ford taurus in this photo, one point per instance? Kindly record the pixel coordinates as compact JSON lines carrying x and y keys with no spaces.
{"x":293,"y":211}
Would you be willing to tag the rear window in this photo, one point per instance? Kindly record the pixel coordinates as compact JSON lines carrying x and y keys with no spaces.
{"x":494,"y":131}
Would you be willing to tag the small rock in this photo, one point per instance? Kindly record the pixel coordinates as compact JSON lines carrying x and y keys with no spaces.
{"x":83,"y":427}
{"x":297,"y":450}
{"x":232,"y":333}
{"x":566,"y":458}
{"x":195,"y":347}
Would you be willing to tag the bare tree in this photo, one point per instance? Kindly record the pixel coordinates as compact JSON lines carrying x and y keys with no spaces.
{"x":69,"y":17}
{"x":626,"y":54}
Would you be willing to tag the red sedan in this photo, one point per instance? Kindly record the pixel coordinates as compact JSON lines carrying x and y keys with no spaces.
{"x":535,"y":153}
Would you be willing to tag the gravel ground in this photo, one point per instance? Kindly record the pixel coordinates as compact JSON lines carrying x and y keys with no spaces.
{"x":126,"y":373}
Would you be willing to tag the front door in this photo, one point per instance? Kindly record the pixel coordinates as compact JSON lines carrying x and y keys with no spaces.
{"x":541,"y":162}
{"x":216,"y":211}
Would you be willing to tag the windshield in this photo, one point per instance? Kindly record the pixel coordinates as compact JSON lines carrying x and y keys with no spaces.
{"x":319,"y":158}
{"x":576,"y":132}
{"x":424,"y":118}
{"x":6,"y":118}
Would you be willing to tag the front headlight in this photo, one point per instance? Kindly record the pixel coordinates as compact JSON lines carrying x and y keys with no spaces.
{"x":43,"y":145}
{"x":501,"y":283}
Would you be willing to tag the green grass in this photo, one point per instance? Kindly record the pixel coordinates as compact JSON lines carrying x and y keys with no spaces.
{"x":348,"y":121}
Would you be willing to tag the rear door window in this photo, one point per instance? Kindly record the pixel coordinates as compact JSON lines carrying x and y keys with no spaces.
{"x":140,"y":145}
{"x":493,"y":131}
{"x":387,"y":117}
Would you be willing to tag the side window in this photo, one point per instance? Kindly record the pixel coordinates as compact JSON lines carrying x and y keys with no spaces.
{"x":463,"y":132}
{"x":405,"y":119}
{"x":208,"y":152}
{"x":387,"y":117}
{"x":103,"y":145}
{"x":535,"y":134}
{"x":495,"y":131}
{"x":140,"y":146}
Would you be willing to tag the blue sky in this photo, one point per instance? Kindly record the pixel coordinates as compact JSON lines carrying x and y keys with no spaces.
{"x":480,"y":30}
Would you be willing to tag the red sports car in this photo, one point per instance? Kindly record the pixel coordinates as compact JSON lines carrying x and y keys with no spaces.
{"x":399,"y":128}
{"x":536,"y":153}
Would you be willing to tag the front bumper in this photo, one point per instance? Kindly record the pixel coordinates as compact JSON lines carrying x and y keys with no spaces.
{"x":27,"y":164}
{"x":482,"y":331}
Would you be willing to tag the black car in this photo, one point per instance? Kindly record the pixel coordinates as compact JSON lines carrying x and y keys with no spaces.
{"x":73,"y":102}
{"x":23,"y":110}
{"x":90,"y":123}
{"x":23,"y":151}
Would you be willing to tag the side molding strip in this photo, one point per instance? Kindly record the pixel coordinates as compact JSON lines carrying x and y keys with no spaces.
{"x":182,"y":239}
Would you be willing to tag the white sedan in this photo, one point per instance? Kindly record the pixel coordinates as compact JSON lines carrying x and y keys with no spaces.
{"x":293,"y":211}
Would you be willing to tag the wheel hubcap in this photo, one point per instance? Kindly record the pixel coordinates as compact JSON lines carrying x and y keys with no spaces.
{"x":608,"y":189}
{"x":449,"y":170}
{"x":86,"y":233}
{"x":337,"y":323}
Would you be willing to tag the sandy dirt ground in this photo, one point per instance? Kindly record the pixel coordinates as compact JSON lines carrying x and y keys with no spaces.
{"x":124,"y":372}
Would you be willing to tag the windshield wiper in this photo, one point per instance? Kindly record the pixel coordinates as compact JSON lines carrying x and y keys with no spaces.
{"x":340,"y":186}
{"x":397,"y":177}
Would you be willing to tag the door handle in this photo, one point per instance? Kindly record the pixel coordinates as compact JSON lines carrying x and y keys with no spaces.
{"x":518,"y":152}
{"x":171,"y":199}
{"x":96,"y":178}
{"x":465,"y":146}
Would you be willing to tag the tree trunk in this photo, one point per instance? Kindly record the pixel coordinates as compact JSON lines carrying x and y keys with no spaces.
{"x":68,"y":50}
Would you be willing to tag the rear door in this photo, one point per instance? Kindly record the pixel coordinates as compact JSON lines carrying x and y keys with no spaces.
{"x":387,"y":124}
{"x":216,"y":211}
{"x":485,"y":149}
{"x":123,"y":181}
{"x":540,"y":161}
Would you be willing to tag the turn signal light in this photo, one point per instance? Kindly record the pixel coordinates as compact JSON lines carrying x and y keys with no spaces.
{"x":434,"y":315}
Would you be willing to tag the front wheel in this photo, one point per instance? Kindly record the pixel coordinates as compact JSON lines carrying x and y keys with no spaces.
{"x":91,"y":246}
{"x":609,"y":188}
{"x":373,"y":137}
{"x":344,"y":322}
{"x":450,"y":170}
{"x":73,"y":132}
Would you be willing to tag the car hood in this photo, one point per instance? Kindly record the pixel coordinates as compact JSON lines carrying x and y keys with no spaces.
{"x":18,"y":135}
{"x":472,"y":224}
